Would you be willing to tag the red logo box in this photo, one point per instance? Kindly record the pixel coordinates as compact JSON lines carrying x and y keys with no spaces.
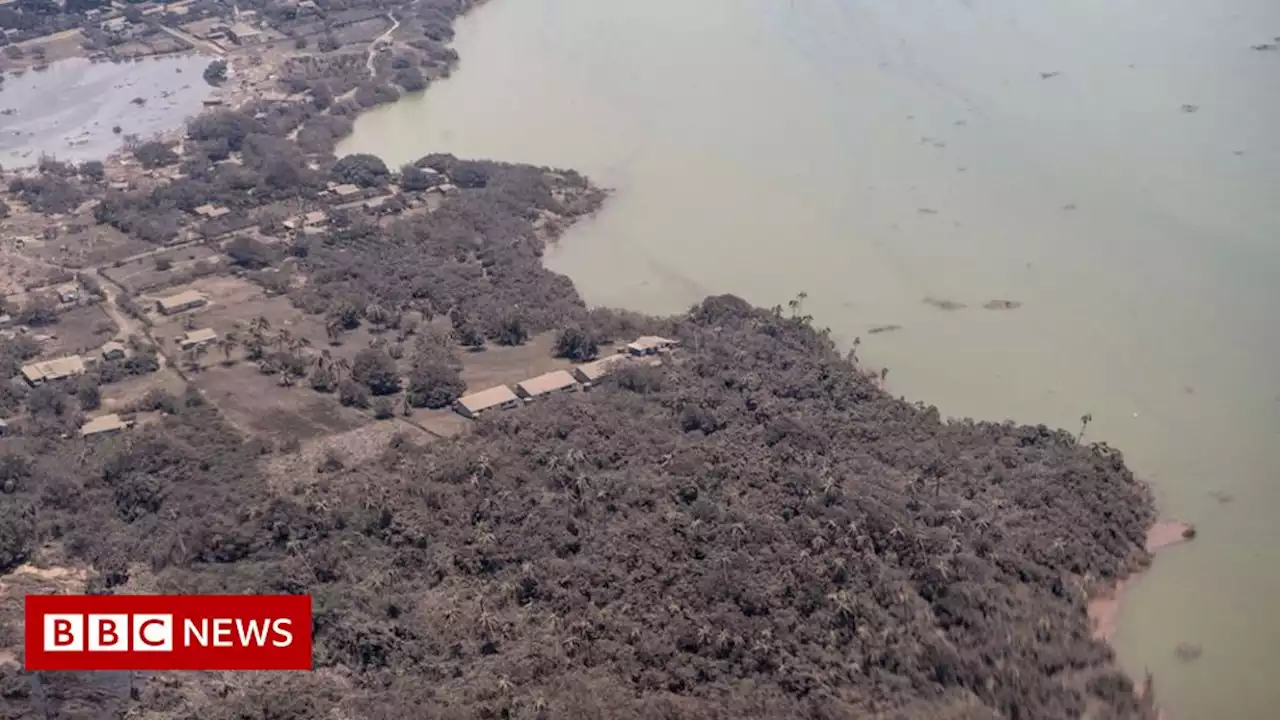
{"x":168,"y":632}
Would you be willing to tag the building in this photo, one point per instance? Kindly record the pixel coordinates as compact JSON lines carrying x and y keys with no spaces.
{"x":188,"y":300}
{"x":113,"y":351}
{"x":475,"y":404}
{"x":651,"y":345}
{"x":103,"y":425}
{"x":212,"y":211}
{"x":346,"y":190}
{"x":68,"y":293}
{"x":592,"y":372}
{"x":546,"y":384}
{"x":315,"y":217}
{"x":6,"y":321}
{"x":49,"y":370}
{"x":4,"y":428}
{"x":196,"y":338}
{"x":244,"y":34}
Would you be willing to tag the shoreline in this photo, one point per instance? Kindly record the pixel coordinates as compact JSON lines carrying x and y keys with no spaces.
{"x":1105,"y":609}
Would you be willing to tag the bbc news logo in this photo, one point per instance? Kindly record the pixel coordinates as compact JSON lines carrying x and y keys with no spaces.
{"x":168,"y":632}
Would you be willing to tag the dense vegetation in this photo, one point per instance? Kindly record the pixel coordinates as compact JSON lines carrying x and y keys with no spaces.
{"x":756,"y":531}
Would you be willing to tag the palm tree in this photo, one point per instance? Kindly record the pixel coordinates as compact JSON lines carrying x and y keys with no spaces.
{"x":1085,"y":419}
{"x":227,"y":344}
{"x":193,"y":355}
{"x":341,"y":366}
{"x":283,"y":339}
{"x":884,"y":373}
{"x":260,"y":324}
{"x":333,"y":328}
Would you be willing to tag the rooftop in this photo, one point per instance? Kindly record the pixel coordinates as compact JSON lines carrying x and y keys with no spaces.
{"x":547,"y":383}
{"x":182,"y":298}
{"x":102,"y":424}
{"x":346,"y":189}
{"x":593,"y":371}
{"x":198,"y":337}
{"x":212,"y":211}
{"x":651,"y":342}
{"x":485,"y":399}
{"x":53,"y":369}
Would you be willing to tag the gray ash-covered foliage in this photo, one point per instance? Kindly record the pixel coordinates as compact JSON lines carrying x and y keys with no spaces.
{"x":761,"y":533}
{"x":477,"y":254}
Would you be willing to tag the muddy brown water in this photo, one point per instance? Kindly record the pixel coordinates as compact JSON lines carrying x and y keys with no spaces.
{"x":68,"y":110}
{"x":875,"y":154}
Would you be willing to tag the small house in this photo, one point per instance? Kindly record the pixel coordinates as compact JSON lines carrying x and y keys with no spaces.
{"x":650,"y":345}
{"x":315,"y":217}
{"x":212,"y":212}
{"x":475,"y":404}
{"x":182,"y":301}
{"x":592,"y":372}
{"x":113,"y":351}
{"x":244,"y":34}
{"x":68,"y":293}
{"x":49,"y":370}
{"x":6,"y":321}
{"x":4,"y":428}
{"x":196,"y":338}
{"x":103,"y":425}
{"x":556,"y":381}
{"x":346,"y":191}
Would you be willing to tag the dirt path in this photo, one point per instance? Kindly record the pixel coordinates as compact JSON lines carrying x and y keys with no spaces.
{"x":373,"y":46}
{"x":127,"y":324}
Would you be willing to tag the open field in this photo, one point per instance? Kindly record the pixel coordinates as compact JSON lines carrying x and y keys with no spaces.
{"x":259,"y":406}
{"x":144,"y":273}
{"x":79,"y":330}
{"x":498,"y":365}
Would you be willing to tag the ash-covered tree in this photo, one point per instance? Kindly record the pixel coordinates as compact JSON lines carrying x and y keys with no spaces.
{"x":353,"y":394}
{"x":577,"y":343}
{"x":376,"y":370}
{"x":415,"y":179}
{"x":361,"y":169}
{"x":92,"y":170}
{"x":511,"y":330}
{"x":155,"y":154}
{"x":215,"y":73}
{"x":434,"y":385}
{"x":39,"y":311}
{"x":465,"y":331}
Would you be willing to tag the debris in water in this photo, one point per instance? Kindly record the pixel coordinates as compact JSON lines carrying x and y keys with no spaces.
{"x":1003,"y":305}
{"x":883,"y":329}
{"x":1188,"y":108}
{"x":944,"y":304}
{"x":1221,"y":496}
{"x":1266,"y":47}
{"x":1187,"y":652}
{"x":1047,"y":75}
{"x":1238,"y":153}
{"x":1069,"y":206}
{"x":926,"y":211}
